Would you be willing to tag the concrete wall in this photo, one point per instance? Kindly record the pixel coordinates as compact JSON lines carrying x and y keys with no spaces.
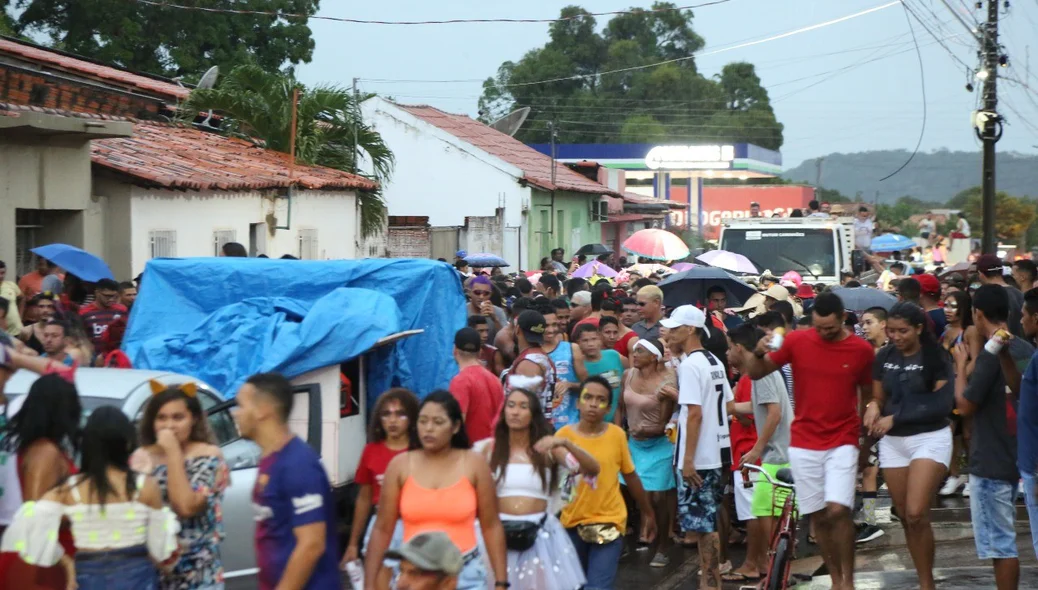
{"x":45,"y":173}
{"x":441,"y":177}
{"x":573,"y":226}
{"x":195,"y":216}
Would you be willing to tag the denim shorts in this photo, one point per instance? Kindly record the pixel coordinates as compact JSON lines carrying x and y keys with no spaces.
{"x":118,"y":569}
{"x":993,"y":512}
{"x":697,"y":507}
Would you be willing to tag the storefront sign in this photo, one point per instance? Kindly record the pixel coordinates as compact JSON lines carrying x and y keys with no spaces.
{"x":690,"y":157}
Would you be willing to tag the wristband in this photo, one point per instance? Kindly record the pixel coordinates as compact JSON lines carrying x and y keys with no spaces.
{"x":502,"y":585}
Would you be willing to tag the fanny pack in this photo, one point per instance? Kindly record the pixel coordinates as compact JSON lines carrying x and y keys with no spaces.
{"x":520,"y":535}
{"x":598,"y":534}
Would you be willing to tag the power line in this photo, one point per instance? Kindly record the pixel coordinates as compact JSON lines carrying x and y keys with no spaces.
{"x":453,"y":21}
{"x":922,"y":84}
{"x":938,"y":39}
{"x":649,"y":65}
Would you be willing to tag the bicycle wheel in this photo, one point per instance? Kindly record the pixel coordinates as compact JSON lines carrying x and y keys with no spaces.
{"x":779,"y":561}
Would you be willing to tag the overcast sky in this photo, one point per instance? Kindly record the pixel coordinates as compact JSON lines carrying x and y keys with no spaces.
{"x":828,"y":99}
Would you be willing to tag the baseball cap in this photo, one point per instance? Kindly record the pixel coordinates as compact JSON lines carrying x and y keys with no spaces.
{"x":582,"y":298}
{"x":533,"y":326}
{"x":431,"y":552}
{"x":989,"y":262}
{"x":468,"y":340}
{"x":686,"y":315}
{"x":928,"y":284}
{"x":461,"y":254}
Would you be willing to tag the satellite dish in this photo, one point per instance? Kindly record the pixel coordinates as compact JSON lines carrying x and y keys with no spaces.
{"x":510,"y":123}
{"x":209,"y":78}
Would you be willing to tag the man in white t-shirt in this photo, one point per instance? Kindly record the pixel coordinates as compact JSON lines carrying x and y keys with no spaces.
{"x":864,"y":227}
{"x":704,"y":447}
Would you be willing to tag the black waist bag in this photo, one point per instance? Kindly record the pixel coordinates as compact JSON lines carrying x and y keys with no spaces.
{"x":520,"y":535}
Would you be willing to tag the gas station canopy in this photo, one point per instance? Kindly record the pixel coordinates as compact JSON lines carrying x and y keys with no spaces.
{"x":642,"y":160}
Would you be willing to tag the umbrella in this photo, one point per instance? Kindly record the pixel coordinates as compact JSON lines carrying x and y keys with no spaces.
{"x":960,"y":268}
{"x":648,"y":269}
{"x":690,"y":287}
{"x":728,"y":261}
{"x":862,"y":298}
{"x":593,"y":250}
{"x":485,"y":260}
{"x":79,"y":262}
{"x":594,"y":268}
{"x":892,"y":243}
{"x":682,"y":266}
{"x":656,"y":244}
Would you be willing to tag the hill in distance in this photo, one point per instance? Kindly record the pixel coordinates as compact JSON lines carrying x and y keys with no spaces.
{"x":935,"y":176}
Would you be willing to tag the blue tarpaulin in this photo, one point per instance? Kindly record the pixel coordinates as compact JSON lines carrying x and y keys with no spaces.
{"x":223,"y":319}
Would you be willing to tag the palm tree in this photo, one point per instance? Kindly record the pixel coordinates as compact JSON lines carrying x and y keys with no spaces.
{"x":257,"y":105}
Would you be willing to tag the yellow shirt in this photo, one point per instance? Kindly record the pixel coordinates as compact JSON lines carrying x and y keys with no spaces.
{"x":604,"y":503}
{"x":11,"y":292}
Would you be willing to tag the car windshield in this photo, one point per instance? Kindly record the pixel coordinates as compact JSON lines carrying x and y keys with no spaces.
{"x":808,"y":251}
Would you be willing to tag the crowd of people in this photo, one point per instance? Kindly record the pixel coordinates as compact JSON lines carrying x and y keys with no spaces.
{"x":588,"y":420}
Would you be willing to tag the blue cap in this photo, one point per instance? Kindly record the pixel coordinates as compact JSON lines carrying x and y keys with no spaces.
{"x":461,"y":254}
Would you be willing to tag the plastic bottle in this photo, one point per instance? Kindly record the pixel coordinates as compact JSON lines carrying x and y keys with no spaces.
{"x":355,"y":572}
{"x":777,"y":336}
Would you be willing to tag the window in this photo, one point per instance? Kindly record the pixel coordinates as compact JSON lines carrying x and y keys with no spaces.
{"x":163,"y":243}
{"x":221,"y":237}
{"x":308,"y":244}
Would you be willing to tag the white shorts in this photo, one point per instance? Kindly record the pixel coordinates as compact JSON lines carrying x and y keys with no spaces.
{"x":899,"y":451}
{"x":824,"y":477}
{"x":743,"y":496}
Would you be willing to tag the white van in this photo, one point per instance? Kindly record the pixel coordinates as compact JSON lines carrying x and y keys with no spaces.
{"x":817,"y":248}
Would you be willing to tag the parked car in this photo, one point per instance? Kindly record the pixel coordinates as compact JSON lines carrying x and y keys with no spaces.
{"x":128,"y":389}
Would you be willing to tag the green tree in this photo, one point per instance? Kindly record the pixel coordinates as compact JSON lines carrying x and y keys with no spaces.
{"x":171,"y":41}
{"x":257,"y":105}
{"x":647,"y":100}
{"x":1013,"y":216}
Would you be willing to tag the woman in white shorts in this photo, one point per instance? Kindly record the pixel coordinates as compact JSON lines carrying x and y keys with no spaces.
{"x":912,"y":397}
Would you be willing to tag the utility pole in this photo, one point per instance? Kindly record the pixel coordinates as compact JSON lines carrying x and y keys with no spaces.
{"x":991,"y":131}
{"x":818,"y":172}
{"x":356,"y":125}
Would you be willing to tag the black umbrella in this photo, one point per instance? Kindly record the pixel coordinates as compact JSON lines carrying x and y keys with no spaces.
{"x":593,"y":250}
{"x":690,"y":287}
{"x":862,"y":298}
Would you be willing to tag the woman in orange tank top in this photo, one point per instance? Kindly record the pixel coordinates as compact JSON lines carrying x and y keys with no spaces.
{"x":444,"y":487}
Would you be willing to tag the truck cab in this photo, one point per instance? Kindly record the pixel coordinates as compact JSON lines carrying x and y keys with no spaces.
{"x":819,"y":249}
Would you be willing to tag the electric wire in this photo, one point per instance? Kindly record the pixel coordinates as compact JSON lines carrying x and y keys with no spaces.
{"x":922,"y":84}
{"x":453,"y":21}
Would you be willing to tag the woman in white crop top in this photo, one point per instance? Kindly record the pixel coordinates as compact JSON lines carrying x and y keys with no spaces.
{"x":525,"y":459}
{"x":119,"y":525}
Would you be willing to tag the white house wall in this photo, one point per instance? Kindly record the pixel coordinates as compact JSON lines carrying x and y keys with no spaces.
{"x":440,"y":177}
{"x":197,"y":216}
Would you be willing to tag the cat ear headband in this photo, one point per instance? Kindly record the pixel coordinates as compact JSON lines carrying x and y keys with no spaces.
{"x":188,"y":389}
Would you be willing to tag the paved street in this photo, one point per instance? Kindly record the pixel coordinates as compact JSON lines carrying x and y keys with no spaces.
{"x":883,"y":563}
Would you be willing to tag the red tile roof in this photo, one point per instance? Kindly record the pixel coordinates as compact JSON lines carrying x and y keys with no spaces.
{"x":536,"y":166}
{"x":13,"y":110}
{"x":149,"y":85}
{"x":179,"y":157}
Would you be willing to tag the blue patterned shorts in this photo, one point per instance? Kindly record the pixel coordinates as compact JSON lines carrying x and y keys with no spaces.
{"x":697,"y":507}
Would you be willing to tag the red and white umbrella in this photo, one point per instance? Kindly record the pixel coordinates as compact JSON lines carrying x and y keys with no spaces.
{"x":656,"y":244}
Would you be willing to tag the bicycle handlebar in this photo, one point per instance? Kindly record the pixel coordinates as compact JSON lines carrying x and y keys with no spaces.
{"x":767,"y":477}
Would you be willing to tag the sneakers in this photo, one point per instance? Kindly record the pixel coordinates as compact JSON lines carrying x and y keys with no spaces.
{"x":868,"y":532}
{"x":952,"y":485}
{"x":966,"y":489}
{"x":659,"y":560}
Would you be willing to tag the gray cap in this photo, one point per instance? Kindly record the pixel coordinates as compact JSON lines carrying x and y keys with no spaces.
{"x":430,"y":552}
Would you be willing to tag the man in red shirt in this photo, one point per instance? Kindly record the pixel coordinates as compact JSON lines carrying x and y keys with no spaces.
{"x":479,"y":393}
{"x":103,"y":311}
{"x":831,"y":367}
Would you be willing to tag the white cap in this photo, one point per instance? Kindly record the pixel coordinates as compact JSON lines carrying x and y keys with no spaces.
{"x":582,"y":298}
{"x":686,"y":315}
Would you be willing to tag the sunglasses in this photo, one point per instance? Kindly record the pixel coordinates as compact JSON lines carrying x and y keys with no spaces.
{"x":487,"y":293}
{"x":642,"y":303}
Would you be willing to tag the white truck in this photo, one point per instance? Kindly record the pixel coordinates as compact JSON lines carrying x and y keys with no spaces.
{"x":819,"y":249}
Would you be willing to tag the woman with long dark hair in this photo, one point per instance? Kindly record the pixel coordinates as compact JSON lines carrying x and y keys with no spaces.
{"x":38,"y":449}
{"x":443,"y":486}
{"x":119,"y":525}
{"x":958,"y":309}
{"x":912,"y":397}
{"x":177,"y":450}
{"x":526,"y":461}
{"x":393,"y":430}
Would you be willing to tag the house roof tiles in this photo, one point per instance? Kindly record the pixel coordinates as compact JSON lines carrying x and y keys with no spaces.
{"x":536,"y":166}
{"x":181,"y":157}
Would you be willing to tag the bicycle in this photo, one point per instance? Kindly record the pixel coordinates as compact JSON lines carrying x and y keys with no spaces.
{"x":782,"y":549}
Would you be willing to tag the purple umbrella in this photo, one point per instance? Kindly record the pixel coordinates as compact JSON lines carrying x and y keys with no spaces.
{"x":683,"y":266}
{"x":728,"y":261}
{"x":594,"y":268}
